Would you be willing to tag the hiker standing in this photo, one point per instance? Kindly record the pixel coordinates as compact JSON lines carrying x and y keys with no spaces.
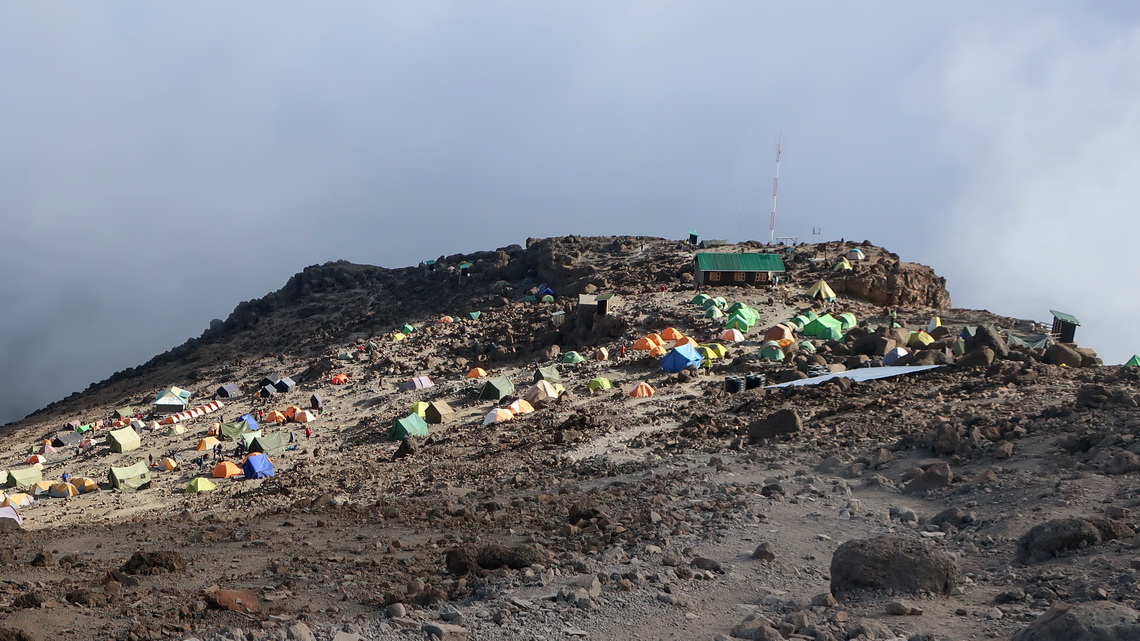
{"x":308,"y":432}
{"x":292,"y":436}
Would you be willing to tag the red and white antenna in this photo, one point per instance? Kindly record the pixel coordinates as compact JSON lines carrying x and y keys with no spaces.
{"x":775,"y":191}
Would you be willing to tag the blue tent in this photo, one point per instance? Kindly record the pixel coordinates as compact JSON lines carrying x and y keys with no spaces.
{"x":257,"y":467}
{"x":681,"y":357}
{"x":545,"y":291}
{"x":253,"y":426}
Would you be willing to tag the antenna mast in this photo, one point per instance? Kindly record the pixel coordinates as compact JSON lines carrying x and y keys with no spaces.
{"x":775,"y":191}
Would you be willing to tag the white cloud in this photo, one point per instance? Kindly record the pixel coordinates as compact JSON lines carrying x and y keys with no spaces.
{"x":1045,"y":120}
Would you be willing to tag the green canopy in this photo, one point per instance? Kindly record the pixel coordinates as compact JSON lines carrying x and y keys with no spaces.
{"x":130,"y":478}
{"x":233,"y":431}
{"x":23,"y":477}
{"x":84,"y":429}
{"x":124,"y":440}
{"x":407,"y":328}
{"x":599,"y":383}
{"x":772,"y":352}
{"x":720,"y":302}
{"x":738,"y":322}
{"x":549,"y":373}
{"x":345,"y":356}
{"x":826,"y":327}
{"x":847,"y":320}
{"x":810,"y":314}
{"x":714,"y":312}
{"x":269,"y":443}
{"x":496,"y":388}
{"x":800,"y":321}
{"x":699,"y":299}
{"x":200,"y":485}
{"x":530,"y":298}
{"x":474,"y":315}
{"x":248,"y":438}
{"x":410,"y":425}
{"x":807,"y":346}
{"x":572,"y":357}
{"x":548,"y":299}
{"x":1134,"y":361}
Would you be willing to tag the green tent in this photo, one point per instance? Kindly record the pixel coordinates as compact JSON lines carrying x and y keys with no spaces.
{"x":419,"y":408}
{"x":407,"y":328}
{"x":200,"y":485}
{"x":530,"y":298}
{"x":847,"y":320}
{"x":714,"y":312}
{"x":572,"y":357}
{"x":825,"y":327}
{"x":800,"y":321}
{"x":737,"y":306}
{"x":233,"y":431}
{"x":699,"y":299}
{"x":549,"y":374}
{"x":410,"y":425}
{"x":738,"y":322}
{"x":548,"y":299}
{"x":599,"y":383}
{"x":85,"y":429}
{"x":269,"y":443}
{"x":345,"y":356}
{"x":133,"y":477}
{"x":1134,"y":361}
{"x":124,"y":440}
{"x":124,"y":412}
{"x":496,"y":388}
{"x":719,"y":301}
{"x":23,"y":477}
{"x":807,"y":346}
{"x":249,"y":437}
{"x":772,"y":352}
{"x":474,"y":315}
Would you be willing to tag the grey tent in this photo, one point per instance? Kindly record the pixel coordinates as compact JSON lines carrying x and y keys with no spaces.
{"x":269,"y":380}
{"x":269,"y":443}
{"x":67,"y":439}
{"x":229,"y":390}
{"x":267,"y":391}
{"x":23,"y":477}
{"x":124,"y":440}
{"x":549,"y":374}
{"x":438,"y":412}
{"x":316,"y":402}
{"x":133,"y":477}
{"x":497,"y":388}
{"x":285,"y":385}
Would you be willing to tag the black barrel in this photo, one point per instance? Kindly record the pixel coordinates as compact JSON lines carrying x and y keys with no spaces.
{"x":752,"y":381}
{"x":733,"y":384}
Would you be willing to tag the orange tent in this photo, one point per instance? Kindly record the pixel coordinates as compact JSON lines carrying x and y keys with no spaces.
{"x":225,"y":469}
{"x":207,"y":443}
{"x":447,"y":319}
{"x":644,"y":344}
{"x":672,"y":334}
{"x":731,"y":335}
{"x":520,"y":406}
{"x":291,"y":412}
{"x":496,"y":416}
{"x":274,"y":417}
{"x":642,"y":390}
{"x":36,"y":458}
{"x":477,"y":372}
{"x":656,"y":338}
{"x":167,"y":464}
{"x":685,"y":340}
{"x":340,"y":379}
{"x":778,"y":333}
{"x":658,"y":351}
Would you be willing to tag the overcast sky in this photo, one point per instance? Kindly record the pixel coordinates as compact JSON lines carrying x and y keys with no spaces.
{"x":161,"y":162}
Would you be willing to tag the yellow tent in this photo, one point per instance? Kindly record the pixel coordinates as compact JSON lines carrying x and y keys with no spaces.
{"x":720,"y":351}
{"x":520,"y":407}
{"x":176,"y":429}
{"x":207,"y":443}
{"x":821,"y":290}
{"x":85,"y":485}
{"x":42,"y":488}
{"x":19,"y":499}
{"x":497,"y":416}
{"x":419,"y":409}
{"x":672,"y":334}
{"x":397,"y":337}
{"x":63,"y":490}
{"x":167,"y":464}
{"x":477,"y":372}
{"x":200,"y":485}
{"x":642,"y":390}
{"x":919,"y":339}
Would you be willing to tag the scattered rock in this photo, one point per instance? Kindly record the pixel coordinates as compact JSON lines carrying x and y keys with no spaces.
{"x":445,"y":631}
{"x":902,"y":608}
{"x":154,"y":563}
{"x":764,"y":552}
{"x":891,"y":562}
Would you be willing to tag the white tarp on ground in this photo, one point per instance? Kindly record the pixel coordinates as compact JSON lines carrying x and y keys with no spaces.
{"x":861,"y":374}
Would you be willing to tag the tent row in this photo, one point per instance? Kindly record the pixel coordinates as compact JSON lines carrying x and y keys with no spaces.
{"x":201,"y":410}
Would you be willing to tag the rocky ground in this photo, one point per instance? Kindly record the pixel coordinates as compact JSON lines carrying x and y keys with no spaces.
{"x":990,"y":498}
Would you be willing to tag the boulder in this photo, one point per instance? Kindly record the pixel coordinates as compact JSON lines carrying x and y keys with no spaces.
{"x":1091,"y":621}
{"x":1122,"y":463}
{"x":1052,"y":538}
{"x":1061,"y":354}
{"x":983,"y":357}
{"x":775,"y":424}
{"x":891,"y":562}
{"x":935,"y":477}
{"x":987,"y":336}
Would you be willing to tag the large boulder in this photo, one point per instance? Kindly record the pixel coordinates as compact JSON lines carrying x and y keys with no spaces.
{"x":892,"y":562}
{"x":1053,"y":538}
{"x":1092,"y":621}
{"x":1061,"y":354}
{"x":775,"y":424}
{"x":987,"y":336}
{"x":936,"y":476}
{"x":982,"y":357}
